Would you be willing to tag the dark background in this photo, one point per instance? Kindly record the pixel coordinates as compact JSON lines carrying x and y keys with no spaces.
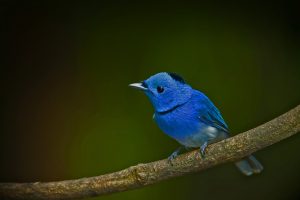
{"x":67,"y":111}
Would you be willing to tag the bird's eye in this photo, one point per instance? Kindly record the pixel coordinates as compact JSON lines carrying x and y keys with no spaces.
{"x":160,"y":89}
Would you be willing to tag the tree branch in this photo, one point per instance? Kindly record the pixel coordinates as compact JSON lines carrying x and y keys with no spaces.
{"x":141,"y":175}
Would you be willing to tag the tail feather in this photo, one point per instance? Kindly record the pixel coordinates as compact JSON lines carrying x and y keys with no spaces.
{"x":249,"y":166}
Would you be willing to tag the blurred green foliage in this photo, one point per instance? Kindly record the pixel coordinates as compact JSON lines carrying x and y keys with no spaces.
{"x":68,"y":112}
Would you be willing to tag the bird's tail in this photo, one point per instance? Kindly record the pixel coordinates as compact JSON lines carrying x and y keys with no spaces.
{"x":249,"y":166}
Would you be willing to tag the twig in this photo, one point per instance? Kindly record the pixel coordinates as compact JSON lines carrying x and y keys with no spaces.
{"x":141,"y":175}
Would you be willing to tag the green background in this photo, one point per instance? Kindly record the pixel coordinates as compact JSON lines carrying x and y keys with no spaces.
{"x":68,"y":112}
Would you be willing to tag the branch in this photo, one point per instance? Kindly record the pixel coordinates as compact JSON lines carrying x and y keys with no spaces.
{"x":141,"y":175}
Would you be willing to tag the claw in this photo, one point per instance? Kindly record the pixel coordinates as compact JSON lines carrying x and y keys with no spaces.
{"x":202,"y":149}
{"x":173,"y":156}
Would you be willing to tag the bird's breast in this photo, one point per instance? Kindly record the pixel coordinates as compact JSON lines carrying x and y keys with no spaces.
{"x":178,"y":124}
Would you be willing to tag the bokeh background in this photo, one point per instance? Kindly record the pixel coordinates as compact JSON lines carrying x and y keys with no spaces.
{"x":67,"y":111}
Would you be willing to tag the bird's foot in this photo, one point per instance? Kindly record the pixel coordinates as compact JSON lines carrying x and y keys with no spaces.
{"x":202,"y":150}
{"x":173,"y":156}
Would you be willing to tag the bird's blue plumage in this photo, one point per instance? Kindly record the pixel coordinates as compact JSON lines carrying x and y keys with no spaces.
{"x":193,"y":122}
{"x":188,"y":116}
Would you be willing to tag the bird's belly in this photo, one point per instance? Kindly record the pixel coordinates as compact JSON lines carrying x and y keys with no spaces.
{"x":188,"y":131}
{"x":207,"y":134}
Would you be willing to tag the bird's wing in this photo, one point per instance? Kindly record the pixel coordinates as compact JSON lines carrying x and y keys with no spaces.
{"x":211,"y":116}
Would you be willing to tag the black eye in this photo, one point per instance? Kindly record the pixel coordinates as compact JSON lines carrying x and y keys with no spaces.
{"x":160,"y":89}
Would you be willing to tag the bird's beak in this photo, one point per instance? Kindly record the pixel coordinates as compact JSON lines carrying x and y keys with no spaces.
{"x":139,"y":86}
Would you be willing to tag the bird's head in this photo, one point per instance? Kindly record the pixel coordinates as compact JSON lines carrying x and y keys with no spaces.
{"x":165,"y":90}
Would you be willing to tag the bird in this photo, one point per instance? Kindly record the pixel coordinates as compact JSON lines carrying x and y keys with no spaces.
{"x":188,"y":116}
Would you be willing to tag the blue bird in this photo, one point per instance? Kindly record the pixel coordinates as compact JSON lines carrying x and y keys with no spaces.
{"x":188,"y":116}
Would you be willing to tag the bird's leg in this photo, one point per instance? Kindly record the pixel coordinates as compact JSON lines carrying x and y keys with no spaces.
{"x":176,"y":153}
{"x":202,"y":149}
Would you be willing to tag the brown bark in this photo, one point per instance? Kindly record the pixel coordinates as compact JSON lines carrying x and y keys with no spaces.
{"x":141,"y":175}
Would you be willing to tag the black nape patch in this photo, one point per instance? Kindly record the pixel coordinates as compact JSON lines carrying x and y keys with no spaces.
{"x":176,"y":77}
